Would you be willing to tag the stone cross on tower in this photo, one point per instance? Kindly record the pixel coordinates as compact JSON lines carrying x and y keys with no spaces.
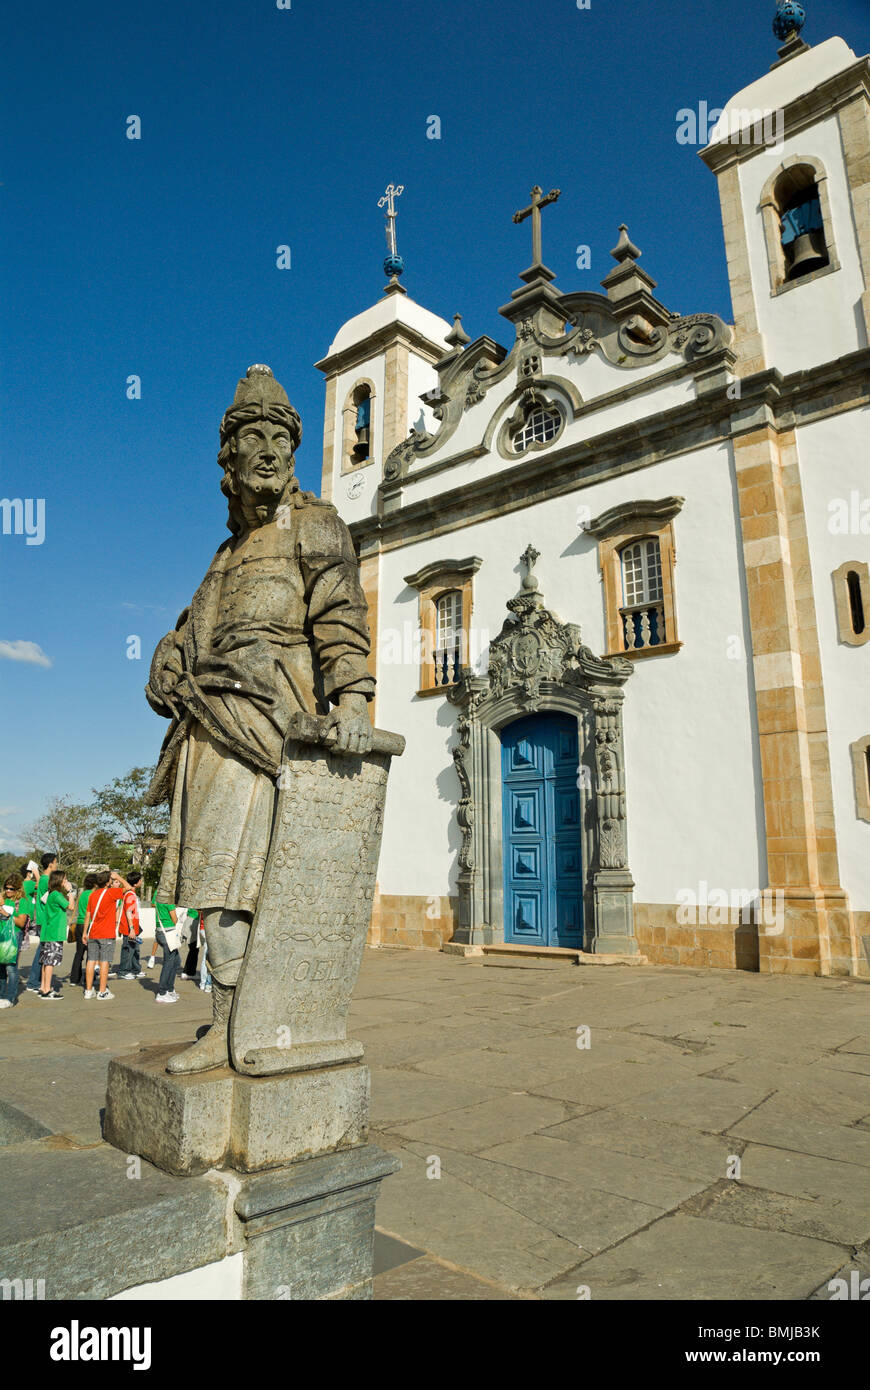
{"x":537,"y":268}
{"x":393,"y":263}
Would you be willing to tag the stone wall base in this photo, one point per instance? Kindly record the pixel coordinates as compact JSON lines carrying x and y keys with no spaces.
{"x":665,"y":940}
{"x":413,"y":922}
{"x":797,"y":934}
{"x":808,"y":937}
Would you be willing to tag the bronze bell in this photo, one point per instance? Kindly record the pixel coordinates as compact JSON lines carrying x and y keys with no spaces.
{"x":806,"y":255}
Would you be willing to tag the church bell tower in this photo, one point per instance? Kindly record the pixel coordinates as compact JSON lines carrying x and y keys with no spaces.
{"x":791,"y":153}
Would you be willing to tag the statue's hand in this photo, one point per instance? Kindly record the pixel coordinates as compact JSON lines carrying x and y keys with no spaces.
{"x":348,"y":729}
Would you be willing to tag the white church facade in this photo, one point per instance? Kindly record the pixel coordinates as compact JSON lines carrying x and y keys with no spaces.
{"x":618,"y":577}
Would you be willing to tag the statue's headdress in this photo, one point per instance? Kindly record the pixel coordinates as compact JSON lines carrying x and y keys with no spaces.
{"x":260,"y":397}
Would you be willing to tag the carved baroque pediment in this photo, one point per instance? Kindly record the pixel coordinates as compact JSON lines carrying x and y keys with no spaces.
{"x":592,"y":325}
{"x":532,"y":647}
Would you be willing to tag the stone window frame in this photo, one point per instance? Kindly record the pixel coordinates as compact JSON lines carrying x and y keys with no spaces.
{"x":348,"y":430}
{"x":432,"y":582}
{"x":860,"y":751}
{"x":771,"y":223}
{"x":532,"y":398}
{"x":618,"y":528}
{"x":845,"y":629}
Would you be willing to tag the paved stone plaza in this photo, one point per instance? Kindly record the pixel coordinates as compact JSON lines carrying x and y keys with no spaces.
{"x":605,"y":1167}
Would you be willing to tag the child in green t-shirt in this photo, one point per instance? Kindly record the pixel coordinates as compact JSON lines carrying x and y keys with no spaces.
{"x":53,"y":931}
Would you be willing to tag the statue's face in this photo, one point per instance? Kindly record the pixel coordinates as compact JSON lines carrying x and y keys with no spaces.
{"x":263,"y":460}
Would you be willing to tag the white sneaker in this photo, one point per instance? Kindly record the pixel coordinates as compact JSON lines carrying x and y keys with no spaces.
{"x":5,"y":1003}
{"x":112,"y":975}
{"x":105,"y":994}
{"x":140,"y":976}
{"x":129,"y":976}
{"x":89,"y":994}
{"x":167,"y":998}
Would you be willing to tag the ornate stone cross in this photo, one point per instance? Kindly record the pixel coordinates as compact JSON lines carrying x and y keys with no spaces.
{"x":534,"y":211}
{"x":391,"y":193}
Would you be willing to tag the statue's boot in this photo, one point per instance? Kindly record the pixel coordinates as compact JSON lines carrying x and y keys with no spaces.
{"x":212,"y":1050}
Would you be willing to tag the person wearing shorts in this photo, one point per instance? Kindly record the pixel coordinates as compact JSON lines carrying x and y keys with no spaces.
{"x":53,"y":932}
{"x":100,"y":928}
{"x":40,"y":890}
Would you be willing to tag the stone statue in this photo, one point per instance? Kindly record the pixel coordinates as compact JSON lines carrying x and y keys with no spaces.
{"x":275,"y":639}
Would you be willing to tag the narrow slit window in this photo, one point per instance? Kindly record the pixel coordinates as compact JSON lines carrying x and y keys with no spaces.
{"x":856,"y":602}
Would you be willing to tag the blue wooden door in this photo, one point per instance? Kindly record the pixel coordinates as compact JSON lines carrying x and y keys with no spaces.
{"x":543,"y":882}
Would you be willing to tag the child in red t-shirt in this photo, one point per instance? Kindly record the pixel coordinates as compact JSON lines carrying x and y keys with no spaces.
{"x":131,"y":932}
{"x":99,"y":932}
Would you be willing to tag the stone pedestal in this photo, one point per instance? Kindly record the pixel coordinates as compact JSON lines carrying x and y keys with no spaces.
{"x":614,"y":914}
{"x":217,"y":1119}
{"x":288,"y":1152}
{"x":309,"y":1228}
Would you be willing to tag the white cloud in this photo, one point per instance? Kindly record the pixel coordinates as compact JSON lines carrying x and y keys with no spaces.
{"x":24,"y":651}
{"x":10,"y":842}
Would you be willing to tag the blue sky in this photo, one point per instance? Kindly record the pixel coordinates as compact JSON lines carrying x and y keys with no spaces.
{"x":261,"y":127}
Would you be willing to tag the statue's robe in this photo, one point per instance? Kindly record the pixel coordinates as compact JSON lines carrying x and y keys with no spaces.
{"x":278,"y":624}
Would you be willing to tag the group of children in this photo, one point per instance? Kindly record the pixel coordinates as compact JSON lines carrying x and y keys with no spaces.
{"x":108,"y":905}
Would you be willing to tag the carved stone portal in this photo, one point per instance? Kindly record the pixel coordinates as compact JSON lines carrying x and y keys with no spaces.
{"x":537,"y":664}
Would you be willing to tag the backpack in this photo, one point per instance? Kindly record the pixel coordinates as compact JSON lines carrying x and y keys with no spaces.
{"x":9,"y":940}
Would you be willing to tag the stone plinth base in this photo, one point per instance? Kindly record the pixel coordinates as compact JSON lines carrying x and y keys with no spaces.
{"x":217,"y":1119}
{"x":309,"y":1229}
{"x":303,"y":1231}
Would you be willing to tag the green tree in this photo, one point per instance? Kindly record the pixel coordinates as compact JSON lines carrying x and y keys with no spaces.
{"x":120,"y":810}
{"x":67,"y":828}
{"x":11,"y":863}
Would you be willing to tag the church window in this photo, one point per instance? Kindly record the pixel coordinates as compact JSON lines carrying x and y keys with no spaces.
{"x":637,"y":555}
{"x":362,"y":426}
{"x":358,"y":427}
{"x":642,"y":610}
{"x":852,"y":600}
{"x":802,"y":233}
{"x":448,"y":637}
{"x":796,"y":213}
{"x":856,"y":604}
{"x":444,"y":587}
{"x":541,"y":424}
